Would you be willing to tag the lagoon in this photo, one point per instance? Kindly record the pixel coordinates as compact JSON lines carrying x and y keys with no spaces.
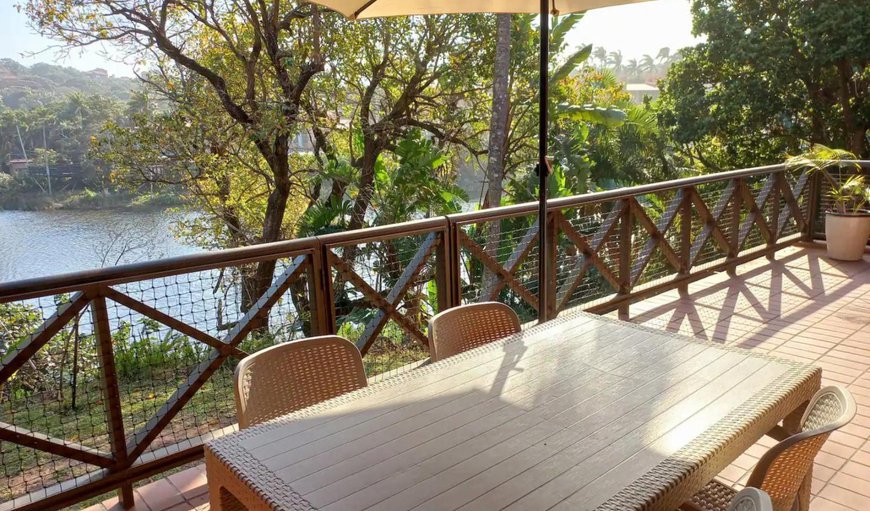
{"x":42,"y":243}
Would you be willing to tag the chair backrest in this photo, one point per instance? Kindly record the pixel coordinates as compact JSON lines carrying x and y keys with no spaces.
{"x":783,"y":468}
{"x":469,"y":326}
{"x":294,"y":375}
{"x":751,"y":499}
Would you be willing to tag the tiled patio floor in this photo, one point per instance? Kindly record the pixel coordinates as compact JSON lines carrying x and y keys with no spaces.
{"x":182,"y":491}
{"x":802,"y":306}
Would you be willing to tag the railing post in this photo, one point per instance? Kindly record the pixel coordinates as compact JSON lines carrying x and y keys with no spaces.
{"x":321,"y":306}
{"x":686,"y":238}
{"x":774,"y":215}
{"x":111,"y":395}
{"x":736,"y":206}
{"x":551,"y":255}
{"x":452,"y":250}
{"x":327,"y":289}
{"x":445,"y":274}
{"x":625,"y":228}
{"x":813,"y":200}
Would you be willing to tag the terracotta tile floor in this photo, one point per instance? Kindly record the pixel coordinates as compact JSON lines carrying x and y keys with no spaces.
{"x":801,"y":306}
{"x":182,"y":491}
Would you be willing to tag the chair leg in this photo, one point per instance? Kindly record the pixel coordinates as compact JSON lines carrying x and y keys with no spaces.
{"x":214,"y":497}
{"x":792,"y":425}
{"x":805,"y":492}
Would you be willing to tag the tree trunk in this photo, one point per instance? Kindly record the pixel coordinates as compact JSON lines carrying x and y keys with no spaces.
{"x":366,"y":184}
{"x":255,"y":286}
{"x":299,"y":295}
{"x":498,"y":130}
{"x":371,"y":150}
{"x":853,"y":136}
{"x":817,"y":123}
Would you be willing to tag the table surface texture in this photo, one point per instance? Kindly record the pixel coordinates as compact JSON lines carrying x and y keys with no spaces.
{"x":582,"y":412}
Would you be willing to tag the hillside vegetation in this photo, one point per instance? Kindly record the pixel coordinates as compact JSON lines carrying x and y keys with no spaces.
{"x":23,"y":87}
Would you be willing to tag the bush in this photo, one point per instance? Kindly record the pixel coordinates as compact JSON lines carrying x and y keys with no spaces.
{"x":6,"y":181}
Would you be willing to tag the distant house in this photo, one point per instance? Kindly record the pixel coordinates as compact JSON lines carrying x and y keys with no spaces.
{"x":98,"y":73}
{"x":19,"y":164}
{"x":638,"y":91}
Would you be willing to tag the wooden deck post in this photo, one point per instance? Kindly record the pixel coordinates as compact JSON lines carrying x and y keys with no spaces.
{"x":685,"y":240}
{"x":446,"y":276}
{"x":813,"y":201}
{"x":775,"y":197}
{"x":111,"y":394}
{"x":734,"y":242}
{"x":625,"y":228}
{"x":453,"y":250}
{"x":319,"y":287}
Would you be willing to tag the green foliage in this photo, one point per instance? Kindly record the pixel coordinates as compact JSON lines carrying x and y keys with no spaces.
{"x":416,"y":184}
{"x":325,"y":217}
{"x":24,"y":87}
{"x":393,"y":350}
{"x":16,"y":321}
{"x":56,"y":131}
{"x":6,"y":182}
{"x":771,"y":78}
{"x":849,"y":193}
{"x":151,"y":350}
{"x":820,"y":158}
{"x":142,"y":350}
{"x":647,"y":69}
{"x":598,"y":140}
{"x":851,"y":196}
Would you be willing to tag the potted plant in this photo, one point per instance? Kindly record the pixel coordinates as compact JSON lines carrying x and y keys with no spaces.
{"x":847,"y":222}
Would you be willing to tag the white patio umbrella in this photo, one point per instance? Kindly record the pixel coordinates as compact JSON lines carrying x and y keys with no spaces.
{"x":362,"y":9}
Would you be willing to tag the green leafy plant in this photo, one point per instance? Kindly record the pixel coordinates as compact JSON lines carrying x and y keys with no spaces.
{"x":848,"y":189}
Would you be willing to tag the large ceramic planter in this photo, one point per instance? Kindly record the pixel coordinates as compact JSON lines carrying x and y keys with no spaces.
{"x":846,"y":235}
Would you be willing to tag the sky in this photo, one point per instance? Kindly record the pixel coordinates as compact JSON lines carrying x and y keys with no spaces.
{"x":634,"y":30}
{"x":638,"y":29}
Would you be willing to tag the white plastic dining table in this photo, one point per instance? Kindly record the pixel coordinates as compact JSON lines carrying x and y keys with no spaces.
{"x":579,"y":413}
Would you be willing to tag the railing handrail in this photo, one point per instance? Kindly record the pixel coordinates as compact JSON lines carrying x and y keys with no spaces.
{"x":70,"y":281}
{"x":65,"y":282}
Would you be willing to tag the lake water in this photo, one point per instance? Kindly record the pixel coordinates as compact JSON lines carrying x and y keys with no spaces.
{"x":40,"y":243}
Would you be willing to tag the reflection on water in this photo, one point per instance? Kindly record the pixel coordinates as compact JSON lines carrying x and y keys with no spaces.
{"x":41,"y":243}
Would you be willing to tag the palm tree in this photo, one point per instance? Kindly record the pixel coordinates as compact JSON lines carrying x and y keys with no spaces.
{"x":664,"y":55}
{"x":647,"y":65}
{"x":498,"y":135}
{"x":614,"y":60}
{"x":600,"y":55}
{"x":632,"y":70}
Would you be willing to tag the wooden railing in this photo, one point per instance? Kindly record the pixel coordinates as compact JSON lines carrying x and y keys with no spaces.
{"x":111,"y":376}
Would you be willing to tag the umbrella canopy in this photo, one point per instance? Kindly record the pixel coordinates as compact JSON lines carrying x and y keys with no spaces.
{"x":362,"y":9}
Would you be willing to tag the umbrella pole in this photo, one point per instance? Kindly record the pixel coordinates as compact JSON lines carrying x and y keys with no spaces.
{"x":544,"y":291}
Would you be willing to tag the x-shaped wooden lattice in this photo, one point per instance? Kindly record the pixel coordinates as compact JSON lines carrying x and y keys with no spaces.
{"x":737,"y":194}
{"x":589,"y":254}
{"x":388,"y":306}
{"x":126,"y":452}
{"x":506,"y":274}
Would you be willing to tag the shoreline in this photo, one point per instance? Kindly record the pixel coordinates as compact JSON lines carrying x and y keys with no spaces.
{"x":87,"y":200}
